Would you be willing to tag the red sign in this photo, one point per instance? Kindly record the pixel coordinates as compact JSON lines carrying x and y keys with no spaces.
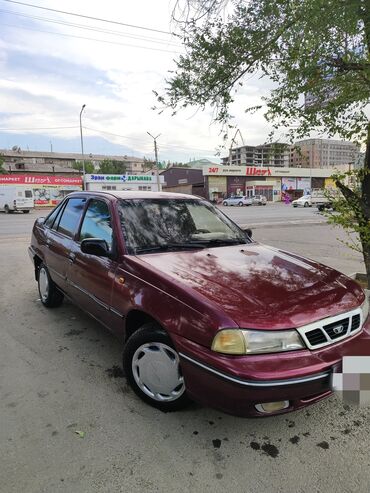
{"x":258,"y":172}
{"x":40,"y":180}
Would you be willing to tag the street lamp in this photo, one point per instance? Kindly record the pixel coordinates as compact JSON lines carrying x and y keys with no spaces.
{"x":82,"y":149}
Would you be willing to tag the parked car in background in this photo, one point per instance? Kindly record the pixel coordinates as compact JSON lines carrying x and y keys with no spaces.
{"x":201,"y":310}
{"x":237,"y":200}
{"x":16,"y":198}
{"x":304,"y":201}
{"x":259,"y":200}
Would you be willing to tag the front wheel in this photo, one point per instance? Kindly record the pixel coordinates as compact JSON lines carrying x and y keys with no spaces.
{"x":240,"y":204}
{"x":152,"y":367}
{"x":306,"y":204}
{"x":50,"y":295}
{"x":26,"y":212}
{"x":225,"y":204}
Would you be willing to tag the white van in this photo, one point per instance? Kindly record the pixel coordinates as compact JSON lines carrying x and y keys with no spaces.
{"x":16,"y":198}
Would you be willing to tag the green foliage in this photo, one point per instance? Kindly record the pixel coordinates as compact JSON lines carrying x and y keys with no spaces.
{"x":89,"y":167}
{"x":349,"y":212}
{"x":110,"y":167}
{"x":317,"y":48}
{"x":2,"y":170}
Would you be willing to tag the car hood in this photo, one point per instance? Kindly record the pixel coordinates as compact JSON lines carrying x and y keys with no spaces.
{"x":259,"y":286}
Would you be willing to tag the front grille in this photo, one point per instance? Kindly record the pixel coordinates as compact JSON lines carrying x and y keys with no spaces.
{"x":356,"y":321}
{"x":332,"y":329}
{"x":337,"y":329}
{"x":316,"y":337}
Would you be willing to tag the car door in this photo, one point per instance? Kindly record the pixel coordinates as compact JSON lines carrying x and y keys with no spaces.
{"x":90,"y":278}
{"x":61,"y":229}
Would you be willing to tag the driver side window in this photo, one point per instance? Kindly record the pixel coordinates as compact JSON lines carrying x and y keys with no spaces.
{"x":97,"y":222}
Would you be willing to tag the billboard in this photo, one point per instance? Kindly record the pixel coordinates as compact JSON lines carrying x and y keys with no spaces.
{"x":288,"y":183}
{"x":48,"y":190}
{"x":304,"y":184}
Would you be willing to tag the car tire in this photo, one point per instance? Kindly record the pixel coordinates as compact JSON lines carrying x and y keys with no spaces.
{"x":6,"y":209}
{"x":26,"y":212}
{"x":150,"y":348}
{"x":225,"y":204}
{"x":240,"y":204}
{"x":306,"y":204}
{"x":50,"y":295}
{"x":264,"y":203}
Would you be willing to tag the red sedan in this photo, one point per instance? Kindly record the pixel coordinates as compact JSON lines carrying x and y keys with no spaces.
{"x":202,"y":311}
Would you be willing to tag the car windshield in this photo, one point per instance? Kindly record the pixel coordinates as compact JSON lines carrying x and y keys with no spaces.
{"x":175,"y":224}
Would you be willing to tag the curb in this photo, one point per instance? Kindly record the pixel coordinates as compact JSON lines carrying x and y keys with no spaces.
{"x":284,"y":224}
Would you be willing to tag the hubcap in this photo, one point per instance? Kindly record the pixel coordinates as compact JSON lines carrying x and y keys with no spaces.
{"x":43,"y":284}
{"x":156,"y":371}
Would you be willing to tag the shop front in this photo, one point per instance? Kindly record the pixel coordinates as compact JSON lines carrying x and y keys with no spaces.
{"x":123,"y":182}
{"x":48,"y":190}
{"x":274,"y":183}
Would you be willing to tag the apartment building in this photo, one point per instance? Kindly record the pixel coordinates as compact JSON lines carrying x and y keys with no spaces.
{"x":324,"y":153}
{"x":274,"y":154}
{"x":20,"y":160}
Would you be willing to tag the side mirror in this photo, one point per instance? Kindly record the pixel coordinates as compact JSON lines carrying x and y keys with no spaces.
{"x":95,"y":246}
{"x":247,"y":231}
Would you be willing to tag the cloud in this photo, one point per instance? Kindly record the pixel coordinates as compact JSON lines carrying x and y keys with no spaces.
{"x":45,"y":78}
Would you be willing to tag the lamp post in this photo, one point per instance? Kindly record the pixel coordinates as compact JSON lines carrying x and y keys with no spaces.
{"x":82,"y":149}
{"x":156,"y":160}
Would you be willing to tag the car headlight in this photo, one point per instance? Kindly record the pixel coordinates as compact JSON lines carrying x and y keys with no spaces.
{"x":245,"y":341}
{"x":365,"y":308}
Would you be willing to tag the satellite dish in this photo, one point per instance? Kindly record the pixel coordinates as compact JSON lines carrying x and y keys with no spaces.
{"x":15,"y":148}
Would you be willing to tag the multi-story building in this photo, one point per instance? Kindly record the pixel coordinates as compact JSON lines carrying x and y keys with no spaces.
{"x":275,"y":154}
{"x":19,"y":160}
{"x":323,"y":153}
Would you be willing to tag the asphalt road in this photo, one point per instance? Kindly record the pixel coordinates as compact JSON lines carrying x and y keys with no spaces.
{"x":60,"y":373}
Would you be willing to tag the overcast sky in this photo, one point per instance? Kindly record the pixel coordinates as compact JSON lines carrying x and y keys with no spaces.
{"x":45,"y":77}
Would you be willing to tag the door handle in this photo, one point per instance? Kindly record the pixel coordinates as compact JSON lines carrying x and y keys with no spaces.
{"x":71,"y":257}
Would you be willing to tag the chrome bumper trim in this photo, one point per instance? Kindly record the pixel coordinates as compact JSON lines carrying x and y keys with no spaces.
{"x":256,"y":383}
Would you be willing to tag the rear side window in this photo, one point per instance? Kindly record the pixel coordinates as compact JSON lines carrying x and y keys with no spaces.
{"x":28,"y":194}
{"x":49,"y":221}
{"x":71,"y":216}
{"x":97,"y":222}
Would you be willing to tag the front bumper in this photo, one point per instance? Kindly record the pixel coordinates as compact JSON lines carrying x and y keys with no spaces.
{"x":236,"y":384}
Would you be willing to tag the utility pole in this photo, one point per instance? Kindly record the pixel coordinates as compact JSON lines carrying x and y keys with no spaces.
{"x":51,"y":146}
{"x":82,"y":149}
{"x":156,"y":160}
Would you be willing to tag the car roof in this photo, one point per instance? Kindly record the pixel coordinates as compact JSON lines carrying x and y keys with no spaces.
{"x":133,"y":194}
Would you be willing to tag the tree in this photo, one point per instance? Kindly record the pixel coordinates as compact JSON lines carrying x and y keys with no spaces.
{"x":314,"y":52}
{"x":89,"y":167}
{"x":2,"y":170}
{"x":110,"y":167}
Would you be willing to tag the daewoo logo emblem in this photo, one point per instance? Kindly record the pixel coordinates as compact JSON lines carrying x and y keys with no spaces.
{"x":338,"y":329}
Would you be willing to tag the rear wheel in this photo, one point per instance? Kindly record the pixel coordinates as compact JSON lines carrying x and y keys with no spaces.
{"x":6,"y":209}
{"x":240,"y":204}
{"x":26,"y":212}
{"x":152,"y":367}
{"x":306,"y":204}
{"x":50,"y":295}
{"x":225,"y":204}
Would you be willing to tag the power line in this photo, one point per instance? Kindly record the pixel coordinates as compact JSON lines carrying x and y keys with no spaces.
{"x":87,"y":39}
{"x":141,"y":140}
{"x":91,"y":28}
{"x":87,"y":17}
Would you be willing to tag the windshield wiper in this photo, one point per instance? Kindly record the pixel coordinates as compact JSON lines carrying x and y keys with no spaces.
{"x":223,"y":241}
{"x":172,"y":246}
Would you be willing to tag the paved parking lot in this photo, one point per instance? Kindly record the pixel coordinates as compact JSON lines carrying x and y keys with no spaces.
{"x":60,"y":374}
